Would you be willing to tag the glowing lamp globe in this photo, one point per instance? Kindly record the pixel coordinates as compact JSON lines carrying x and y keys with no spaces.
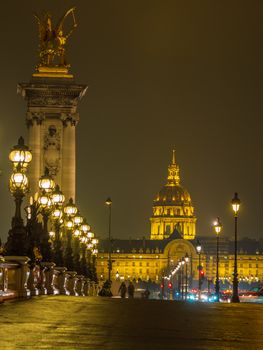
{"x":46,"y":183}
{"x":77,"y":219}
{"x":85,"y":227}
{"x":20,"y":154}
{"x":235,"y":203}
{"x":56,"y":214}
{"x":18,"y":182}
{"x":57,"y":196}
{"x":217,"y":226}
{"x":90,"y":234}
{"x":70,"y":209}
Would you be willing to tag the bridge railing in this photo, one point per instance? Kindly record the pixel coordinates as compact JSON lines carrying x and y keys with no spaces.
{"x":20,"y":280}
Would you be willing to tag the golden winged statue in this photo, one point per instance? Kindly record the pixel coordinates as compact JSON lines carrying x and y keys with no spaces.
{"x":52,"y":39}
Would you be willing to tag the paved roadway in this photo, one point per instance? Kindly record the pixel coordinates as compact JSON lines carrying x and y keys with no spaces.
{"x":62,"y":322}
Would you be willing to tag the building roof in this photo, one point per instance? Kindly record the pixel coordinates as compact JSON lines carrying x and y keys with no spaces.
{"x":154,"y":246}
{"x":137,"y":246}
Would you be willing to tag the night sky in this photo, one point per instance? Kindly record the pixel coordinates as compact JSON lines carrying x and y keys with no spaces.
{"x":161,"y":74}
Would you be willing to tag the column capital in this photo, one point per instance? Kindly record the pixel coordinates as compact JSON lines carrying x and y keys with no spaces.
{"x":69,"y":118}
{"x":36,"y":117}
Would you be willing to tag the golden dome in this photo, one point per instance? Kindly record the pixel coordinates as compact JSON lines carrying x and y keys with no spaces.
{"x":172,"y":195}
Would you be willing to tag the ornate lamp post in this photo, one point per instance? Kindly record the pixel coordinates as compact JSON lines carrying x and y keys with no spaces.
{"x":77,"y":219}
{"x":109,"y":203}
{"x":56,"y":216}
{"x":70,"y":210}
{"x":84,"y":228}
{"x":46,"y":185}
{"x":20,"y":156}
{"x":57,"y":199}
{"x":235,"y":205}
{"x":45,"y":207}
{"x":186,"y":259}
{"x":198,"y":250}
{"x":218,"y":228}
{"x":94,"y":242}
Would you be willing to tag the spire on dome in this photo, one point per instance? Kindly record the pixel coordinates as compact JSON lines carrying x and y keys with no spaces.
{"x":173,"y":161}
{"x":173,"y":172}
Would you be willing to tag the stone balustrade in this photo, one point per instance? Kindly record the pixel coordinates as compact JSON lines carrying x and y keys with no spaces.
{"x":18,"y":279}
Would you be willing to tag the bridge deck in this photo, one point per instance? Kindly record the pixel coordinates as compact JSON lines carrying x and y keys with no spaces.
{"x":61,"y":322}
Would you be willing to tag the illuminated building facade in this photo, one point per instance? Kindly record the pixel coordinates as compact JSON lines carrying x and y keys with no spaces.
{"x":172,"y":236}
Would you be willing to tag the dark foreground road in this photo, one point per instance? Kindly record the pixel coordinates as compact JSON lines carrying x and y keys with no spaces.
{"x":61,"y":322}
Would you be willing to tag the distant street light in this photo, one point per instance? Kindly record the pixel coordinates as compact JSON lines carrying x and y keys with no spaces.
{"x":199,"y":249}
{"x":182,"y":277}
{"x":218,"y":228}
{"x":235,"y":205}
{"x":186,"y":258}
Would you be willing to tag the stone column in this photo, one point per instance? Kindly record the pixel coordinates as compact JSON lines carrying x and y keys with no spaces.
{"x":68,"y":170}
{"x":34,"y":143}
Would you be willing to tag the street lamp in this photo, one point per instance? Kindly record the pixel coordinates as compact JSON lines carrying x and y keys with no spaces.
{"x":70,"y":211}
{"x":109,"y":203}
{"x":56,"y":216}
{"x":18,"y":187}
{"x":84,"y":228}
{"x":218,"y":228}
{"x":182,"y":276}
{"x":45,"y":207}
{"x":20,"y":156}
{"x":186,"y":259}
{"x":235,"y":205}
{"x":199,"y":249}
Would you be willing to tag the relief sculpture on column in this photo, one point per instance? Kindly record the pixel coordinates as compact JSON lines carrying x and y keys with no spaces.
{"x":52,"y":149}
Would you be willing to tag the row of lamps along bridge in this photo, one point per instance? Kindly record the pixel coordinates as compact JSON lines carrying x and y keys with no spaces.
{"x":70,"y":231}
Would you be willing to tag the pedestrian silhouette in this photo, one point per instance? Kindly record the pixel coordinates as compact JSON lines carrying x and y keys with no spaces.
{"x":123,"y":290}
{"x":146,"y":293}
{"x":130,"y":290}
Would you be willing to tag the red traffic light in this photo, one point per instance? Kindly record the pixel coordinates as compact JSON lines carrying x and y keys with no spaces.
{"x":162,"y":286}
{"x":170,"y":285}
